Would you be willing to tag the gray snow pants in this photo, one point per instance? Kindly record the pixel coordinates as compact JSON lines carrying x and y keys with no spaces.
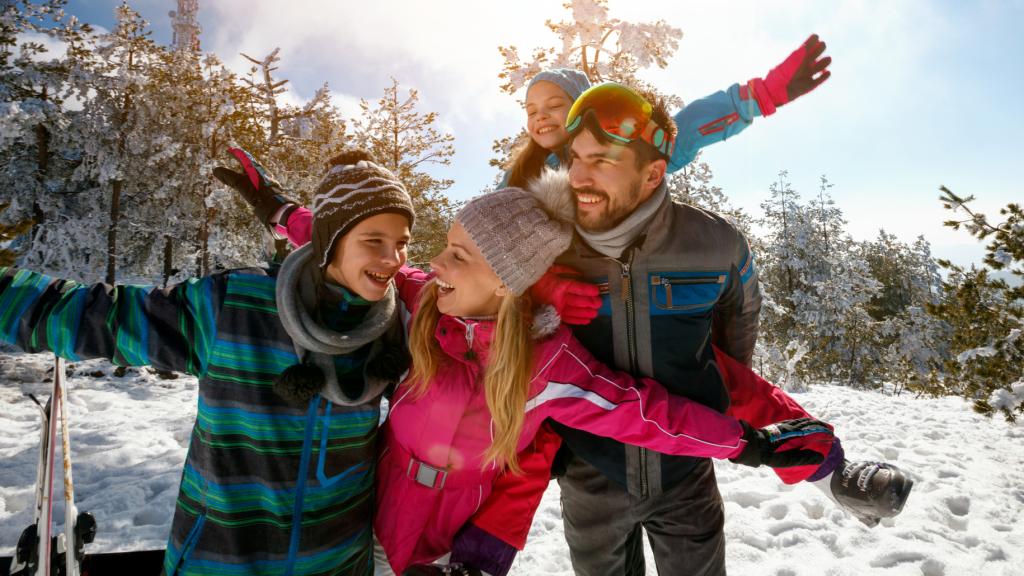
{"x":603,"y":522}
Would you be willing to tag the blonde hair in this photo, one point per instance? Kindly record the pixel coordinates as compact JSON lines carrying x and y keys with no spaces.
{"x":506,"y":378}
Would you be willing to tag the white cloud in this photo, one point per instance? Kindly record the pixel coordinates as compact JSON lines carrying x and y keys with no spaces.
{"x":347,"y":104}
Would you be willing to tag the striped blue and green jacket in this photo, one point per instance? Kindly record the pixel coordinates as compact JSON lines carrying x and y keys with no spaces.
{"x":267,"y":488}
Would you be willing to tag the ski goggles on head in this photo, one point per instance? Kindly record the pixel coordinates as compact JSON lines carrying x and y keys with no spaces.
{"x":622,"y":114}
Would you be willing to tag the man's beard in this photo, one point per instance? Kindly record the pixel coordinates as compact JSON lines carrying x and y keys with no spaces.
{"x":613,"y":214}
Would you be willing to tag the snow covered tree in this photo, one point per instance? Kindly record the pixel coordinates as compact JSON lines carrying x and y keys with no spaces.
{"x":33,"y":89}
{"x":267,"y":91}
{"x":407,"y":142}
{"x":692,"y":185}
{"x":9,"y":232}
{"x":916,"y":343}
{"x":909,"y":275}
{"x":293,"y":142}
{"x":816,"y":285}
{"x":115,"y":144}
{"x":174,"y":210}
{"x":986,"y":315}
{"x":602,"y":47}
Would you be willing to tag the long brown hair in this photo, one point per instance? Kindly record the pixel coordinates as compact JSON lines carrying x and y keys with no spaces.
{"x":506,"y":378}
{"x":528,"y":161}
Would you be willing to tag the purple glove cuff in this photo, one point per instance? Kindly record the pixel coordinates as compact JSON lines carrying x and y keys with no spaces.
{"x":832,"y":461}
{"x":478,"y":548}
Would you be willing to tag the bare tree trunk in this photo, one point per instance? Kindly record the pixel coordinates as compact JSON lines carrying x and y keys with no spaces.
{"x":204,"y":243}
{"x":42,"y":170}
{"x":115,"y":217}
{"x":168,"y":260}
{"x":118,"y":185}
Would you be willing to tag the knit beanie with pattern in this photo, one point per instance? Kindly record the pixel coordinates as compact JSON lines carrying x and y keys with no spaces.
{"x":353,"y":189}
{"x":572,"y":81}
{"x":521,"y":232}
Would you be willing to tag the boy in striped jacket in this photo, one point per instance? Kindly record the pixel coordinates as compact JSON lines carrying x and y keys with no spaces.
{"x":291,"y":364}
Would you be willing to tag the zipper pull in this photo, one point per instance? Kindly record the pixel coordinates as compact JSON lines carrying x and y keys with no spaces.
{"x":627,"y":287}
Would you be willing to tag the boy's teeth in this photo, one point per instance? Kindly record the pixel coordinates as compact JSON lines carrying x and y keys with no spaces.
{"x":381,"y":277}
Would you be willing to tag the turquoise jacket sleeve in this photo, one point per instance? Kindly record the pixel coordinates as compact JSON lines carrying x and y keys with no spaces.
{"x":711,"y":119}
{"x":169,"y":329}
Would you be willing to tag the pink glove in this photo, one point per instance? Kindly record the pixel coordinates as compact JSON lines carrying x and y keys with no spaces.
{"x":798,"y":74}
{"x":576,"y":301}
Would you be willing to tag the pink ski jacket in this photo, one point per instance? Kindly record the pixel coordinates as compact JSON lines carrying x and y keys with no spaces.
{"x":431,"y":478}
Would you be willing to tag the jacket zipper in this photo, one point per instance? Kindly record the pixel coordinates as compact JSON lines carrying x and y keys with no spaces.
{"x":669,"y":282}
{"x":627,"y":297}
{"x":300,"y":487}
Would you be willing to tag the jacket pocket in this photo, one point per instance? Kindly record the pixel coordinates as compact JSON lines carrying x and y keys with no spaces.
{"x":685,"y":292}
{"x":354,"y":426}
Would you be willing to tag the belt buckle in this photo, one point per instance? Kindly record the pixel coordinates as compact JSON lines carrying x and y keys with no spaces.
{"x":426,"y":474}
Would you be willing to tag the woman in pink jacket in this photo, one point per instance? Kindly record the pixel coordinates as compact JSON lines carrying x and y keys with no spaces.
{"x":489,"y":368}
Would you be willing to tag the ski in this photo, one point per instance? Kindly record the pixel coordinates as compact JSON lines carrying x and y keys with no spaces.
{"x":40,"y":552}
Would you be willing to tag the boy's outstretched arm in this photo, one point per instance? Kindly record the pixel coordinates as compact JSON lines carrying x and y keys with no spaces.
{"x":169,"y":329}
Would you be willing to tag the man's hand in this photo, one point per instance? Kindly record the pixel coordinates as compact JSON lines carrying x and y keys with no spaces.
{"x":257,"y":187}
{"x":802,"y":71}
{"x":576,"y":301}
{"x":763,"y":443}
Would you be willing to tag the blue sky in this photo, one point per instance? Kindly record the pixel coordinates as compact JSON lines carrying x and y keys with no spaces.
{"x":923,"y":93}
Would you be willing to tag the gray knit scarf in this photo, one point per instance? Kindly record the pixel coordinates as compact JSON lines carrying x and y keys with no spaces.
{"x":612,"y":242}
{"x":317,"y":345}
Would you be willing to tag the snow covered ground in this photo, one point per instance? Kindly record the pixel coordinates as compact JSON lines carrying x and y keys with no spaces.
{"x":964,"y":517}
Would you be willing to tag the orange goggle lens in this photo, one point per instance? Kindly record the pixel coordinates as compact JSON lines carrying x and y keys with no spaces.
{"x":622,"y":114}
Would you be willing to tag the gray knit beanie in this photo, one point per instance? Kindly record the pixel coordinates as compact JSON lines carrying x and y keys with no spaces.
{"x":353,"y":189}
{"x":521,"y":232}
{"x":572,"y":81}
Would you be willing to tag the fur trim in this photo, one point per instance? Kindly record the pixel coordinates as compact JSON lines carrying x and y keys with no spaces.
{"x":552,"y":190}
{"x":545,"y":322}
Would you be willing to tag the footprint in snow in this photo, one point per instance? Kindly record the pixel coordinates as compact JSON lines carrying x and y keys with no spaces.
{"x":750,"y":499}
{"x":892,"y":559}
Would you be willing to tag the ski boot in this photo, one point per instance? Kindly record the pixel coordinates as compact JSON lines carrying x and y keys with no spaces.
{"x":870,"y":490}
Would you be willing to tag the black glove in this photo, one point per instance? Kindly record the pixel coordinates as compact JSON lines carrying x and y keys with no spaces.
{"x":441,"y":569}
{"x":762,"y":443}
{"x":258,"y":188}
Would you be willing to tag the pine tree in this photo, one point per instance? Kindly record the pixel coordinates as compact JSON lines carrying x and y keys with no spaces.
{"x":407,"y":142}
{"x":816,"y":285}
{"x":293,"y":142}
{"x":986,"y":315}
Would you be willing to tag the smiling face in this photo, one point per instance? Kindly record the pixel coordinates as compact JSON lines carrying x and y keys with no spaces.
{"x":607,"y":182}
{"x":467,"y":286}
{"x":547,"y":105}
{"x":370,"y":254}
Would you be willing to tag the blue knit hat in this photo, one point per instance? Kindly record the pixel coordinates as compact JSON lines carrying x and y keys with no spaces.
{"x":572,"y":81}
